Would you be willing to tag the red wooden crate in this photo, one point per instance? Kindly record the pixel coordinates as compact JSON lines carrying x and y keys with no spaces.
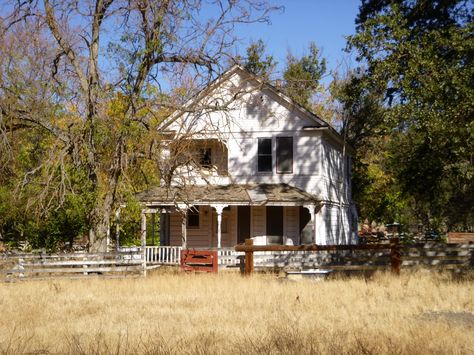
{"x":199,"y":260}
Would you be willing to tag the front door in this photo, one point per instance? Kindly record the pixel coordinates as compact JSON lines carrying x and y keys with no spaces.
{"x":275,"y":220}
{"x":243,"y":223}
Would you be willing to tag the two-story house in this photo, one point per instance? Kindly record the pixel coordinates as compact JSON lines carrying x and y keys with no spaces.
{"x":250,"y":162}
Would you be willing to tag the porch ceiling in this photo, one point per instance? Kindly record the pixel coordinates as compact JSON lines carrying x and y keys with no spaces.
{"x":251,"y":194}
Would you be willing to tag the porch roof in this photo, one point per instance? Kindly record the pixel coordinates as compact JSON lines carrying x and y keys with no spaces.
{"x":233,"y":194}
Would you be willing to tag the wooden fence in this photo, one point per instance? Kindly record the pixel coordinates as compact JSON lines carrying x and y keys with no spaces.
{"x":370,"y":257}
{"x":71,"y":265}
{"x":392,"y":256}
{"x":438,"y":256}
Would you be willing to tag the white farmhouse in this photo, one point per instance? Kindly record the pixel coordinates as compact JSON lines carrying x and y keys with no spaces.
{"x":251,"y":163}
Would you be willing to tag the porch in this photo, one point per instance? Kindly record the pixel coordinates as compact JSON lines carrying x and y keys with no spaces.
{"x":221,"y":216}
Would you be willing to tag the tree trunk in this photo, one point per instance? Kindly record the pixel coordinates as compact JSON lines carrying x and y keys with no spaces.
{"x":99,"y":229}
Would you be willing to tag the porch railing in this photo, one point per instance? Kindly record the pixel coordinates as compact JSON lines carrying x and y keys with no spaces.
{"x":165,"y":255}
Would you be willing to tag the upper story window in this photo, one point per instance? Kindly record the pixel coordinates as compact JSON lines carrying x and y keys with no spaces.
{"x":206,"y":157}
{"x":264,"y":155}
{"x":284,"y":155}
{"x":193,"y":217}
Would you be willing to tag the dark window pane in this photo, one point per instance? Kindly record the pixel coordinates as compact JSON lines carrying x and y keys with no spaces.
{"x":274,"y":220}
{"x":265,"y":154}
{"x":265,"y":146}
{"x":264,"y":163}
{"x":206,"y":158}
{"x":284,"y":154}
{"x":193,"y":217}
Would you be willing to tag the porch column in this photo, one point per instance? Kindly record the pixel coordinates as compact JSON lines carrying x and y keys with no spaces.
{"x":143,"y":240}
{"x":219,"y":208}
{"x":311,"y":208}
{"x":184,"y":236}
{"x":322,"y":235}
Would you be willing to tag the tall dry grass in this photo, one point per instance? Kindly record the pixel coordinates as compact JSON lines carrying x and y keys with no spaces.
{"x":229,"y":314}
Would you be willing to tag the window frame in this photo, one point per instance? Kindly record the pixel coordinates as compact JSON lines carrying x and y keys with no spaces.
{"x":265,"y":155}
{"x":193,"y":211}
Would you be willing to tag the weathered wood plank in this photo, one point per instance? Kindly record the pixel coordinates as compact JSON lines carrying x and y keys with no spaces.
{"x":312,"y":247}
{"x":71,"y":277}
{"x":434,"y":267}
{"x":83,"y":262}
{"x":437,"y":246}
{"x":114,"y":255}
{"x":433,"y":262}
{"x":75,"y":270}
{"x":438,"y":257}
{"x":437,"y":254}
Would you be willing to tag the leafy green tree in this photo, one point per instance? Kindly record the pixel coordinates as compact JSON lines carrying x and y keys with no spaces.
{"x":257,"y":62}
{"x":301,"y":75}
{"x":362,"y":114}
{"x":420,"y":53}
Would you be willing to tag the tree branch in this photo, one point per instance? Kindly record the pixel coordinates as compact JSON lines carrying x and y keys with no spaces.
{"x":53,"y":26}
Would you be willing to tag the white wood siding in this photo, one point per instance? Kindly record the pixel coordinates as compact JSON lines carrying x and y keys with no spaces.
{"x":258,"y":224}
{"x":336,"y":225}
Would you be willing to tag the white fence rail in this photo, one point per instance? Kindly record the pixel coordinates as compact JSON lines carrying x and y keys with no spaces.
{"x":228,"y":257}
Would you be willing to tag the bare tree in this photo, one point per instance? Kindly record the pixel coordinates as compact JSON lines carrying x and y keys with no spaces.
{"x":99,"y":75}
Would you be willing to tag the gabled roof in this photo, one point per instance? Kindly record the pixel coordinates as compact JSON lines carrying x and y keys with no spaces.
{"x":319,"y":123}
{"x":236,"y":68}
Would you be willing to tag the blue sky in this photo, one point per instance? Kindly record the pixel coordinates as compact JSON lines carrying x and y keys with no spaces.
{"x":325,"y":22}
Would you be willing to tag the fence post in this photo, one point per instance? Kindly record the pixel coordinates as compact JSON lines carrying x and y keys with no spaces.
{"x":85,"y":266}
{"x":143,"y":241}
{"x":21,"y":267}
{"x":248,"y":258}
{"x":395,"y":256}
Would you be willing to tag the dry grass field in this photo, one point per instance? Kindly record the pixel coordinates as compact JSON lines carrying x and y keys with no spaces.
{"x":169,"y":313}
